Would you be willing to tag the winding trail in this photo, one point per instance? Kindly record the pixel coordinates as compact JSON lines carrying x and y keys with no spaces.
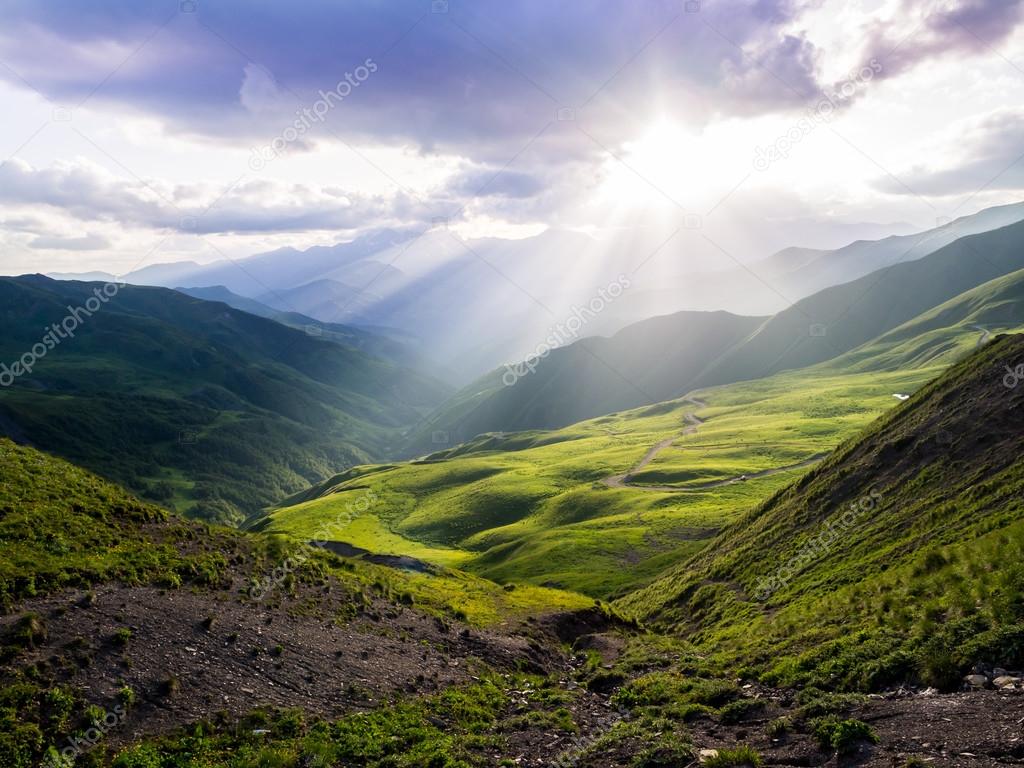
{"x":986,"y":334}
{"x":625,"y":480}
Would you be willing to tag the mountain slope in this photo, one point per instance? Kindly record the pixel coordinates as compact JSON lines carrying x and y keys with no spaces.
{"x":944,"y":333}
{"x":645,"y":363}
{"x":898,"y":558}
{"x":193,"y":403}
{"x":383,"y":343}
{"x":663,"y":357}
{"x":841,"y":318}
{"x":799,"y":272}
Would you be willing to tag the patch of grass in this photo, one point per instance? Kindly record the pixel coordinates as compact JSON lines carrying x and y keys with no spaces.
{"x":844,"y":736}
{"x":735,"y":757}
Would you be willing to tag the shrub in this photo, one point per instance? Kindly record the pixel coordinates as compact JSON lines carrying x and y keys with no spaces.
{"x":842,"y":735}
{"x":740,"y":710}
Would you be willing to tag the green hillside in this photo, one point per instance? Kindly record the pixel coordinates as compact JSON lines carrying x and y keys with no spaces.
{"x":648,"y":362}
{"x":899,"y":558}
{"x":663,"y":357}
{"x":191,"y":403}
{"x":841,"y":318}
{"x":602,"y":506}
{"x":945,"y":333}
{"x":543,"y":507}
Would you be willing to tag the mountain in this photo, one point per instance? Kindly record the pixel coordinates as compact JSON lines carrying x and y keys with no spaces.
{"x":799,"y":272}
{"x":944,"y":333}
{"x":86,"y":277}
{"x":274,"y":270}
{"x":646,"y":363}
{"x":841,"y":318}
{"x":384,"y":343}
{"x":146,"y":620}
{"x":897,"y":559}
{"x":661,"y":358}
{"x":214,"y":411}
{"x":324,"y":299}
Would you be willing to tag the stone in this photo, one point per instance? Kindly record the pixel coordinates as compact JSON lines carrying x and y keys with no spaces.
{"x":1006,"y":681}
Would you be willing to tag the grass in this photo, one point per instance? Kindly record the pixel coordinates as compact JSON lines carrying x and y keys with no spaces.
{"x":61,"y":526}
{"x":457,"y":728}
{"x":533,"y":509}
{"x":207,"y":410}
{"x":918,"y":585}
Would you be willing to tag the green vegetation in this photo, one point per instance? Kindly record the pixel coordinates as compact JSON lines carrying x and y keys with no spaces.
{"x":61,"y":526}
{"x":734,"y":758}
{"x":650,"y":361}
{"x":458,"y":728}
{"x":205,"y":409}
{"x":842,"y":735}
{"x":919,"y":575}
{"x":533,"y":507}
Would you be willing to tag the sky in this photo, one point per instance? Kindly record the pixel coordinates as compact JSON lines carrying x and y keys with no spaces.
{"x":140,"y":132}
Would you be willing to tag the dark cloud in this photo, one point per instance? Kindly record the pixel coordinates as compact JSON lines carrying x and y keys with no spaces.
{"x":932,"y":30}
{"x":482,"y":78}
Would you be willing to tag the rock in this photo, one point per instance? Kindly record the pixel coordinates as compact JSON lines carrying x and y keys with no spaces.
{"x":976,"y":681}
{"x":999,"y":672}
{"x":706,"y":754}
{"x":1006,"y":681}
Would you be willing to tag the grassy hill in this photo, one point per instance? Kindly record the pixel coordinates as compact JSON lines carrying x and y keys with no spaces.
{"x":110,"y":605}
{"x":645,"y":363}
{"x":898,"y":558}
{"x":602,"y":505}
{"x":212,"y":411}
{"x":945,"y":333}
{"x":841,"y":318}
{"x":537,"y":506}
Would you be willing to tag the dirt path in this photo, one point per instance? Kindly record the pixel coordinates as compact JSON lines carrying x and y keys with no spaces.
{"x":985,"y":335}
{"x":694,"y":421}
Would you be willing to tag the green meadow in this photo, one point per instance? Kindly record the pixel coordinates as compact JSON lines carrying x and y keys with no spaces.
{"x":533,"y":507}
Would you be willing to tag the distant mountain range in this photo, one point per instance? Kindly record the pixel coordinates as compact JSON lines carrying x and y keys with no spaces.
{"x":665,"y":357}
{"x":472,"y":304}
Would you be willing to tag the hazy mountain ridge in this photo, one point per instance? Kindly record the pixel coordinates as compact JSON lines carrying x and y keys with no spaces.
{"x":194,"y":403}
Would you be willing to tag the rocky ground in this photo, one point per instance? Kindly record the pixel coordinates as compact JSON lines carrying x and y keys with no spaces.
{"x":194,"y":655}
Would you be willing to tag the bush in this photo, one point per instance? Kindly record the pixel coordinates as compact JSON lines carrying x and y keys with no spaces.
{"x":740,"y":710}
{"x":842,"y":735}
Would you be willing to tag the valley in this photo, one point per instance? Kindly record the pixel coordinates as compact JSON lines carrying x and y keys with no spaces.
{"x":445,"y":384}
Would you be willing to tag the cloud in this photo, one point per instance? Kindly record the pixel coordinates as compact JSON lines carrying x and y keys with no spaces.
{"x":482,"y":78}
{"x":923,"y":31}
{"x":88,"y":193}
{"x":88,"y":242}
{"x":987,"y":153}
